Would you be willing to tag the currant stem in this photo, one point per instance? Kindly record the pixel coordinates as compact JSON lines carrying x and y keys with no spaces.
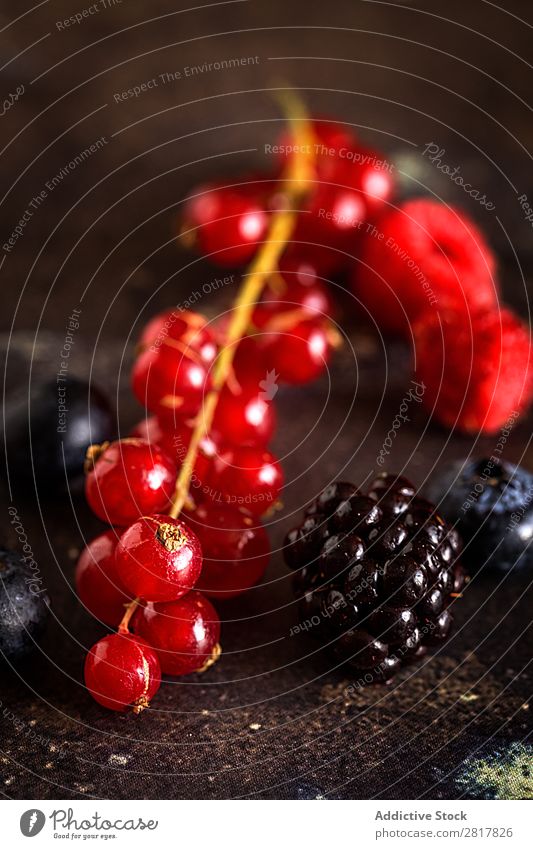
{"x":123,"y":628}
{"x":265,"y":263}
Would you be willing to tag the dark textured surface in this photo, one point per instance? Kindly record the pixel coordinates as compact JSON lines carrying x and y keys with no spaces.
{"x":271,"y":719}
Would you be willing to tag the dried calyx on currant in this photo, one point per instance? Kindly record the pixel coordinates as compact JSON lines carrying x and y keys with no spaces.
{"x":376,"y":575}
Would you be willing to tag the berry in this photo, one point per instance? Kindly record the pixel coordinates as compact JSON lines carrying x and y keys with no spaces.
{"x":228,"y":222}
{"x":250,"y":477}
{"x":475,"y":368}
{"x":158,"y":558}
{"x":42,"y":441}
{"x":330,"y":140}
{"x":97,"y":583}
{"x":170,"y":383}
{"x":188,"y":329}
{"x":174,"y":440}
{"x":425,"y":256}
{"x":490,"y":502}
{"x":378,"y":579}
{"x":122,"y":673}
{"x":24,"y":608}
{"x":300,"y":354}
{"x":244,"y":418}
{"x":235,"y":548}
{"x":185,"y":633}
{"x":127,"y":479}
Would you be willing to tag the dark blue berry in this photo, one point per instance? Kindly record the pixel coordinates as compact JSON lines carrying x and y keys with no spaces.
{"x":24,"y":607}
{"x":48,"y":435}
{"x":490,"y":502}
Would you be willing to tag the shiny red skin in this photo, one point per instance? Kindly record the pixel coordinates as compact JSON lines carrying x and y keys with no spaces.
{"x":122,"y":672}
{"x":169,"y":383}
{"x":149,"y":568}
{"x":244,"y":418}
{"x":251,"y":363}
{"x":175,"y":441}
{"x":98,"y":586}
{"x":301,"y":354}
{"x":251,"y":478}
{"x":236,"y":550}
{"x":299,"y":290}
{"x":130,"y":477}
{"x":188,"y":328}
{"x":229,"y":223}
{"x":184,"y":633}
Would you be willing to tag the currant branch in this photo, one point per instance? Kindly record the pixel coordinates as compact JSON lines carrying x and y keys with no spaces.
{"x":295,"y":185}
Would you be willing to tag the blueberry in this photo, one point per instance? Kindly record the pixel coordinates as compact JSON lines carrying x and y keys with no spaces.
{"x":54,"y":429}
{"x":24,"y":607}
{"x":491,"y":504}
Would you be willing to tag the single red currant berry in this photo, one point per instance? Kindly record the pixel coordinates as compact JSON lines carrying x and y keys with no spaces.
{"x":184,"y":633}
{"x":235,"y":547}
{"x":122,"y":672}
{"x":158,"y":558}
{"x":189,"y":329}
{"x":247,"y":417}
{"x":251,"y":478}
{"x":128,"y":478}
{"x":98,"y":586}
{"x":229,"y":223}
{"x":300,"y":354}
{"x":169,"y":383}
{"x":251,"y":362}
{"x":330,"y":142}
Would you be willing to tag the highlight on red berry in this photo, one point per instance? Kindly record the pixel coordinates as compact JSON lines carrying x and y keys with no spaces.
{"x":128,"y":478}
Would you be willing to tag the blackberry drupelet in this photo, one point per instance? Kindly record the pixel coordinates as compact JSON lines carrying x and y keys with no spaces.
{"x":375,"y":574}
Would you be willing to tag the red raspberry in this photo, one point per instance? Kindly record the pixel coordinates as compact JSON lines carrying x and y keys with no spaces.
{"x":476,"y":367}
{"x":420,"y":258}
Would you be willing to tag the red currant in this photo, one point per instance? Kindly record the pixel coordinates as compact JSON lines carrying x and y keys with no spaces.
{"x":229,"y":223}
{"x":251,"y":478}
{"x":300,"y":354}
{"x":245,"y":418}
{"x":170,"y":383}
{"x":251,"y":362}
{"x":158,"y":558}
{"x":187,"y":328}
{"x":128,"y":478}
{"x":297,"y":289}
{"x":122,"y":672}
{"x":330,"y":140}
{"x":236,"y":550}
{"x":97,"y":583}
{"x":184,"y":633}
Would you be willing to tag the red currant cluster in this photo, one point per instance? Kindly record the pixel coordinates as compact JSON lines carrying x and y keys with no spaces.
{"x":418,"y":269}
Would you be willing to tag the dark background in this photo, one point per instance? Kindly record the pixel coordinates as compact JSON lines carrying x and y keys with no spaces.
{"x":271,"y":719}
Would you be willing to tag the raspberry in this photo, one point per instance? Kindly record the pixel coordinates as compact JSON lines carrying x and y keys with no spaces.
{"x":422,"y":257}
{"x":476,"y":368}
{"x":376,"y":574}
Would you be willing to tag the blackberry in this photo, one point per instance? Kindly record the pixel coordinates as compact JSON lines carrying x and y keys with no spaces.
{"x":490,"y":503}
{"x":375,"y":574}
